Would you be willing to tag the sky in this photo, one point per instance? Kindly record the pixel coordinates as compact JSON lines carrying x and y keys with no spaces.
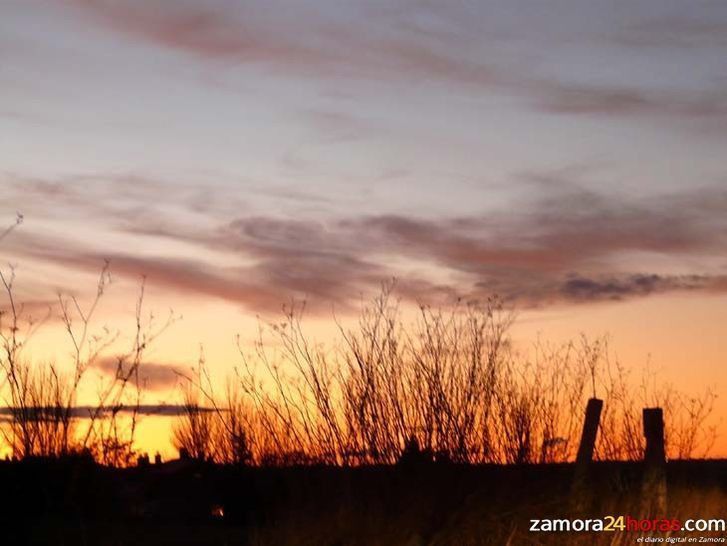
{"x":568,"y":156}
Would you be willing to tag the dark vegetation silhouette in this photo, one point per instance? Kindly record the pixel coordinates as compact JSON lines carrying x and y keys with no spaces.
{"x":450,"y":383}
{"x":44,"y":418}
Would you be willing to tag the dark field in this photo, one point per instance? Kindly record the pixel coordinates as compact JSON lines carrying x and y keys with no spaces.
{"x":76,"y":502}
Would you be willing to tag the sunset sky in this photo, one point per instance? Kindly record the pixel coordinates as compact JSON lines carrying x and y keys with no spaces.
{"x":566,"y":155}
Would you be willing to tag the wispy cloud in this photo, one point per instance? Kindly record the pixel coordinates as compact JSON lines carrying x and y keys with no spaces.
{"x":396,"y":46}
{"x":706,"y":106}
{"x":153,"y":376}
{"x":87,"y":412}
{"x":306,"y":41}
{"x":627,"y":286}
{"x":564,"y":245}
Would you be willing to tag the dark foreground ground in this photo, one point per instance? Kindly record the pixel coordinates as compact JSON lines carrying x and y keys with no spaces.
{"x":77,"y":503}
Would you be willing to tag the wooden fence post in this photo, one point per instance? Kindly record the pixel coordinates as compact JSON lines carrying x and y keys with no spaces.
{"x":590,"y":430}
{"x":579,"y":489}
{"x":655,"y":453}
{"x":653,"y":490}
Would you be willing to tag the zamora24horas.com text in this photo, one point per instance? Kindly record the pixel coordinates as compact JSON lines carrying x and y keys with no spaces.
{"x":625,"y":523}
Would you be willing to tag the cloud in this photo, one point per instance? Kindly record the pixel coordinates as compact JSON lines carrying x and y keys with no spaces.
{"x":182,"y":275}
{"x":564,"y":243}
{"x":86,"y":412}
{"x":458,"y":45}
{"x":628,"y":286}
{"x":532,"y":289}
{"x":561,"y":230}
{"x":293,"y":260}
{"x":286,"y":37}
{"x":152,"y":375}
{"x":707,"y":106}
{"x":562,"y":246}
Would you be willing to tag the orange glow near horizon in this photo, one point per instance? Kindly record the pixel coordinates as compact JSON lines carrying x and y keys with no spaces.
{"x":669,"y":334}
{"x":239,"y":157}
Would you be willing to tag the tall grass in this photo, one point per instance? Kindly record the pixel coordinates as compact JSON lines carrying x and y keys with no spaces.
{"x":45,"y":419}
{"x":450,"y":386}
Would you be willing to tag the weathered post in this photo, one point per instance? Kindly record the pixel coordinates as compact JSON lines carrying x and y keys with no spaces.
{"x":653,"y":490}
{"x":579,"y":488}
{"x":654,"y":434}
{"x":590,"y":430}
